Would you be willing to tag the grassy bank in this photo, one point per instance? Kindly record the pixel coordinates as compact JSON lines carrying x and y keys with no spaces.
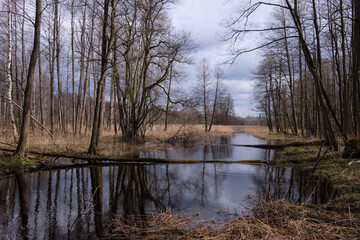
{"x":111,"y":145}
{"x":274,"y":220}
{"x":337,"y":219}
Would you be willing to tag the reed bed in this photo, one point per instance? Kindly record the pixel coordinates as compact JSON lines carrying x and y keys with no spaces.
{"x":270,"y":220}
{"x":156,"y":138}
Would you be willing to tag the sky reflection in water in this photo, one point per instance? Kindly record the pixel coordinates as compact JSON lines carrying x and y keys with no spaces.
{"x":80,"y":202}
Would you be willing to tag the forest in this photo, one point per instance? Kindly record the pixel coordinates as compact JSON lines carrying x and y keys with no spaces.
{"x":307,"y":82}
{"x":105,"y":133}
{"x":79,"y":67}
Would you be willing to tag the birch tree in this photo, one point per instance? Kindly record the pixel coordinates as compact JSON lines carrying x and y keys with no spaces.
{"x":9,"y":79}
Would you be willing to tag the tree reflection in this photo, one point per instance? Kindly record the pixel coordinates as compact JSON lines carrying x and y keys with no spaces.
{"x":82,"y":202}
{"x":24,"y":211}
{"x":96,"y":190}
{"x":276,"y":182}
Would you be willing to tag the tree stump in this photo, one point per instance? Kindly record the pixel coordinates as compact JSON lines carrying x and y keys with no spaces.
{"x":352,"y":149}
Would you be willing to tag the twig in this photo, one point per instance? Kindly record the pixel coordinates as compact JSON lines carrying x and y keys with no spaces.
{"x":32,"y":117}
{"x":90,"y":205}
{"x":8,"y":144}
{"x":318,"y":159}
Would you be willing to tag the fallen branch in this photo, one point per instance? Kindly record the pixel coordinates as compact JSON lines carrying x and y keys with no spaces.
{"x":32,"y":117}
{"x":274,"y":146}
{"x":94,"y":159}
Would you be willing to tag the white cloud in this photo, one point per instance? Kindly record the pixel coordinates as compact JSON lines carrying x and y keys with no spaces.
{"x":204,"y":18}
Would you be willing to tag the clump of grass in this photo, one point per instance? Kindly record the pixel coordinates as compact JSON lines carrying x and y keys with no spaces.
{"x":272,"y":220}
{"x":300,"y":152}
{"x":263,"y":132}
{"x":185,"y":137}
{"x":14,"y":163}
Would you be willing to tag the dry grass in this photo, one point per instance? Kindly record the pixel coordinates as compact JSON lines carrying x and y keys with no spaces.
{"x":264,"y":133}
{"x":157,"y":131}
{"x":274,"y":220}
{"x":111,"y":145}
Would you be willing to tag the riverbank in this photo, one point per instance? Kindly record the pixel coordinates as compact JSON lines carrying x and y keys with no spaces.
{"x":270,"y":220}
{"x":112,"y":145}
{"x":337,"y":219}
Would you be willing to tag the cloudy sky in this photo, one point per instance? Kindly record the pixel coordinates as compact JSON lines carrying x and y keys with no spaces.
{"x":205,"y":20}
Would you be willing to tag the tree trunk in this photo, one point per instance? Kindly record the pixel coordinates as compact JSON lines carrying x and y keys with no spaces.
{"x":291,"y":80}
{"x":57,"y":56}
{"x":100,"y":101}
{"x":346,"y":106}
{"x":20,"y":150}
{"x":8,"y":76}
{"x":81,"y":77}
{"x":317,"y":78}
{"x":168,"y":99}
{"x":215,"y":99}
{"x":23,"y":53}
{"x":356,"y":67}
{"x":73,"y":66}
{"x":42,"y":118}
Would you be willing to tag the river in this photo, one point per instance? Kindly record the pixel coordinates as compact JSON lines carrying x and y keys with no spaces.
{"x":81,"y":202}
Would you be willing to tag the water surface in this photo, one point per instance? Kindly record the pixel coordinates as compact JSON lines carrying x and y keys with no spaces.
{"x":219,"y":149}
{"x":80,"y":203}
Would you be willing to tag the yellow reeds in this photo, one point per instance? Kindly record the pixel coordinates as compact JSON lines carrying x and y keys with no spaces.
{"x":272,"y":220}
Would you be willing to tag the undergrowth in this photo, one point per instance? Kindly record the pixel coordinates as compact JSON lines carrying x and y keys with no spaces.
{"x":270,"y":220}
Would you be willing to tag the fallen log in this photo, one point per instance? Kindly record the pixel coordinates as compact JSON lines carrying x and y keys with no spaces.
{"x":273,"y":146}
{"x":95,"y":159}
{"x":55,"y":166}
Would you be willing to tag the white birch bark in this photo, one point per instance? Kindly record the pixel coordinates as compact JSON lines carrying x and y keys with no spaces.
{"x":8,"y":76}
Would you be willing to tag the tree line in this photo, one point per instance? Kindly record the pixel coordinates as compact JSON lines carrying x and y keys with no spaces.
{"x":81,"y":66}
{"x":307,"y":82}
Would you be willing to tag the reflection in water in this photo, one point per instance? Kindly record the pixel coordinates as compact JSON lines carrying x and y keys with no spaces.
{"x":24,"y":212}
{"x":80,"y":203}
{"x":281,"y":182}
{"x":96,"y":190}
{"x":218,"y":149}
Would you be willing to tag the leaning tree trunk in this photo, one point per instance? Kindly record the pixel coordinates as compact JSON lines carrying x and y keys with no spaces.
{"x":215,"y":102}
{"x":317,"y":80}
{"x":168,"y":100}
{"x":20,"y":150}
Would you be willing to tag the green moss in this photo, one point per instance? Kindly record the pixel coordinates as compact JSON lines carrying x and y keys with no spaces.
{"x":344,"y":177}
{"x":15,"y":162}
{"x":300,"y":152}
{"x":351,"y":198}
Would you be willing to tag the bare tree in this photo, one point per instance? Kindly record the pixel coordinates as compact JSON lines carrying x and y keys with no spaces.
{"x":100,"y":92}
{"x":218,"y":77}
{"x":147,"y":48}
{"x":204,"y":81}
{"x":20,"y":150}
{"x":313,"y":102}
{"x":9,"y":79}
